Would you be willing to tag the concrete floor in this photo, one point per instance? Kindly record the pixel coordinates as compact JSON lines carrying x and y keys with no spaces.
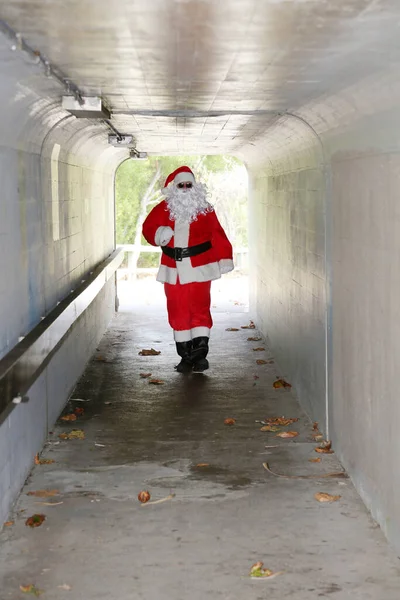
{"x":101,"y":543}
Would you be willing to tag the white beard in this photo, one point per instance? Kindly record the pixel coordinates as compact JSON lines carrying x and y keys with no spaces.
{"x":186,"y":204}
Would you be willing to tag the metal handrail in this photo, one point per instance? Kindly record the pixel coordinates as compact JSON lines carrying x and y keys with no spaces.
{"x":20,"y":368}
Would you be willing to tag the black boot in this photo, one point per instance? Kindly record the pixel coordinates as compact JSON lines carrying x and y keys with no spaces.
{"x":184,"y":349}
{"x":199,"y":353}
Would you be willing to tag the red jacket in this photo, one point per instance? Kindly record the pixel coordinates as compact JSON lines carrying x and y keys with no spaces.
{"x":203,"y":267}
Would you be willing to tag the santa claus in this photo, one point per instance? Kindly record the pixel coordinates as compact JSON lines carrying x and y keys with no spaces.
{"x":195,"y":250}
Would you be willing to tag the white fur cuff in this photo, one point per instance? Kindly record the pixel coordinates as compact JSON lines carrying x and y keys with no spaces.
{"x":226,"y":265}
{"x":163,"y":235}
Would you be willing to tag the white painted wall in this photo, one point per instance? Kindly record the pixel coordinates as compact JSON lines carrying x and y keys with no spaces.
{"x":56,"y":225}
{"x":325,"y":226}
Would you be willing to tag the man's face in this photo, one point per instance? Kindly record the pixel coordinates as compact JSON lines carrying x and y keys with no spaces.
{"x":184,"y":186}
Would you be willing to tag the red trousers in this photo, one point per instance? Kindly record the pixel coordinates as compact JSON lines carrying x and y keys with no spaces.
{"x":188,"y":309}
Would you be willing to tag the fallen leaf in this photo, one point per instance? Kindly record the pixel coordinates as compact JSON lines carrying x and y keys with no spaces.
{"x":30,"y":589}
{"x":324,"y":448}
{"x":71,"y":417}
{"x":156,"y":381}
{"x":49,"y":503}
{"x":315,"y":426}
{"x":315,"y":460}
{"x":257,"y":570}
{"x":261,"y":361}
{"x":282,"y":421}
{"x":43,"y":461}
{"x":269,"y":428}
{"x":323,"y":497}
{"x":334,"y":475}
{"x":8,"y":523}
{"x":79,"y":411}
{"x":35,"y":520}
{"x":258,"y":349}
{"x":287,"y":434}
{"x":75,"y":434}
{"x":231,"y":329}
{"x":254,"y":339}
{"x":160,"y":501}
{"x":44,"y":493}
{"x":250,"y":326}
{"x":229,"y":421}
{"x":150,"y":352}
{"x":256,"y":377}
{"x":102,"y":359}
{"x":203,"y":465}
{"x":144,"y":496}
{"x":145,"y":375}
{"x":99,"y":445}
{"x":281,"y":383}
{"x":64,"y":586}
{"x":318,"y":437}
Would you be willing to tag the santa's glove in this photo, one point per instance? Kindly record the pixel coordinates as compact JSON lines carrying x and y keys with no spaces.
{"x":225,"y":265}
{"x":163,"y":235}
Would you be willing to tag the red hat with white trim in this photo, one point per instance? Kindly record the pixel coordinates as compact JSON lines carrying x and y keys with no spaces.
{"x":179,"y":175}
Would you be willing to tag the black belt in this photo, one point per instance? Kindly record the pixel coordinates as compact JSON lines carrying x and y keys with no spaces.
{"x":179,"y":253}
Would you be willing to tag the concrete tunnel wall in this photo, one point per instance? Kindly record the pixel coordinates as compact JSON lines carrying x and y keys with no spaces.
{"x":325,"y":231}
{"x":56,"y":224}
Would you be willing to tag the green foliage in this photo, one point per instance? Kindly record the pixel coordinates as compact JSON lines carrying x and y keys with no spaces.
{"x":225,"y":177}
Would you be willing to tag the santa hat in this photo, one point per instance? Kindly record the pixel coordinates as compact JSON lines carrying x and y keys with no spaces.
{"x":179,"y":175}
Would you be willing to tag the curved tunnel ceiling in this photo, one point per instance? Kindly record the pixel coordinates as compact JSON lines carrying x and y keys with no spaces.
{"x":199,"y":76}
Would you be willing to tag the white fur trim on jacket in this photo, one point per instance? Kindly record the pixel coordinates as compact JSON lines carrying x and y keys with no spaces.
{"x":226,"y":265}
{"x":163,"y":235}
{"x":187,"y":273}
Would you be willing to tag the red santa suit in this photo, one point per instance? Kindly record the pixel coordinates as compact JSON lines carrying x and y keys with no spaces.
{"x":188,"y":279}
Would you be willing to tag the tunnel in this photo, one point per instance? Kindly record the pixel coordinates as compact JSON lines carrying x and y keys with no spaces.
{"x":306,"y":94}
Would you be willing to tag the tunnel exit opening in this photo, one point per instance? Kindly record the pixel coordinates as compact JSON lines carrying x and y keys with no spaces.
{"x":138,"y":188}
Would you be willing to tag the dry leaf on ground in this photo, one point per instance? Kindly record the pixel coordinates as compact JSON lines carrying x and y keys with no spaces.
{"x":257,"y":570}
{"x":324,"y":448}
{"x":203,"y":465}
{"x":64,"y":586}
{"x":258,"y":349}
{"x":254,"y":339}
{"x":156,"y":381}
{"x":44,"y":493}
{"x":315,"y":460}
{"x":71,"y":417}
{"x":30,"y":589}
{"x":281,"y":383}
{"x":256,"y":377}
{"x":334,"y":475}
{"x":287,"y":434}
{"x":261,"y":361}
{"x":282,"y":421}
{"x":323,"y":497}
{"x":8,"y":523}
{"x":144,"y":496}
{"x":315,"y":426}
{"x":43,"y":461}
{"x":79,"y":411}
{"x":229,"y":421}
{"x":150,"y":352}
{"x":250,"y":326}
{"x":145,"y":375}
{"x":269,"y":428}
{"x":75,"y":434}
{"x":231,"y":329}
{"x":35,"y":520}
